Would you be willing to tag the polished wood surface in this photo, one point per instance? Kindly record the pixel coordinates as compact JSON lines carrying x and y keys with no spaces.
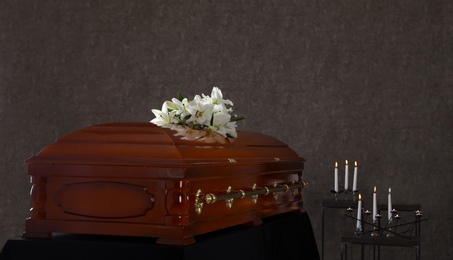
{"x":137,"y":179}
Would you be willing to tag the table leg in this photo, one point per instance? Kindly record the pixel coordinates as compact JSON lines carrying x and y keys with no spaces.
{"x":322,"y":235}
{"x":344,"y":251}
{"x":362,"y":252}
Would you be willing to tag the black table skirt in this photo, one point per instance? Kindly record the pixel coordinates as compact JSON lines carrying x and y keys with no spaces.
{"x":286,"y":236}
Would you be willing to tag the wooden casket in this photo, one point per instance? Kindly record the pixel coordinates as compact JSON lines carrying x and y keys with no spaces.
{"x":138,"y":179}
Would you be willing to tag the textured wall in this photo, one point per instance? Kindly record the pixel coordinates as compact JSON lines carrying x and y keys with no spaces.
{"x":360,"y":80}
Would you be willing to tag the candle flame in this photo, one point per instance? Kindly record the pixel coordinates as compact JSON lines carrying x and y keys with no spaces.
{"x":390,"y":190}
{"x":360,"y":196}
{"x":355,"y":163}
{"x":346,"y":162}
{"x":336,"y":164}
{"x":374,"y":189}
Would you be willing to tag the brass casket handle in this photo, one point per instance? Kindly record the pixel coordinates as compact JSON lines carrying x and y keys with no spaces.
{"x":253,"y":192}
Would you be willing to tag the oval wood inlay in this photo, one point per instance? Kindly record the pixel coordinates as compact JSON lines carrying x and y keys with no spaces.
{"x":105,"y":199}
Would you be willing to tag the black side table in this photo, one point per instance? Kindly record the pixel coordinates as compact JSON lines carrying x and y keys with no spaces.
{"x":397,"y":240}
{"x":377,"y":242}
{"x":334,"y":204}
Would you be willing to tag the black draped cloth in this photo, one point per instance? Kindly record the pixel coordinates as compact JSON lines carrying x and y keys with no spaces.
{"x":284,"y":237}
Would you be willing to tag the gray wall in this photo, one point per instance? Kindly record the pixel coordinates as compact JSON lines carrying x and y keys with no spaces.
{"x":360,"y":80}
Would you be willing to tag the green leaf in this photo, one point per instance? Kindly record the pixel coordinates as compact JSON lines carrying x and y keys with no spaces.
{"x":180,"y":96}
{"x":236,"y":118}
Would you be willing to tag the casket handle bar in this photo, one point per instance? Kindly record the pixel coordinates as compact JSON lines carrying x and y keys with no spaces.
{"x":254,"y":192}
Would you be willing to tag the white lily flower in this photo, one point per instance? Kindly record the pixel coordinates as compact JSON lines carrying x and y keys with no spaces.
{"x":170,"y":105}
{"x":180,"y":107}
{"x":222,"y":125}
{"x":164,"y":117}
{"x":230,"y":129}
{"x":200,"y":110}
{"x":221,"y":108}
{"x":205,"y":117}
{"x":220,"y":119}
{"x":216,"y":97}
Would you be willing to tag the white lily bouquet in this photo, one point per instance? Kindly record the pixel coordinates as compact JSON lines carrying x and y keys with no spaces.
{"x":207,"y":113}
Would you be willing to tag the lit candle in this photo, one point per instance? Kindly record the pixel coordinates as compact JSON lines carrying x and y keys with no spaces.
{"x":354,"y":183}
{"x":374,"y":204}
{"x":346,"y":176}
{"x":389,"y":209}
{"x":359,"y":213}
{"x":335,"y":188}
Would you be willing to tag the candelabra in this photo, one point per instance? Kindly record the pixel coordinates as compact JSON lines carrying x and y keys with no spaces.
{"x":391,"y":228}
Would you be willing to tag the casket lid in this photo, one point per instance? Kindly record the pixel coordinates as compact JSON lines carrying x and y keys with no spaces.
{"x":145,"y":144}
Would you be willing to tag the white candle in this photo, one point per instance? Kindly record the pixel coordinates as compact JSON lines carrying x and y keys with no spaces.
{"x":374,"y":204}
{"x":335,"y":188}
{"x":346,"y":176}
{"x":389,"y":204}
{"x":359,"y":213}
{"x":354,"y":183}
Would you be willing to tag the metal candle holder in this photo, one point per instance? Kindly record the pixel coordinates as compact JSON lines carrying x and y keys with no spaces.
{"x":391,"y":227}
{"x":336,"y":193}
{"x":376,"y":226}
{"x":346,"y":192}
{"x":395,"y":217}
{"x":358,"y":230}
